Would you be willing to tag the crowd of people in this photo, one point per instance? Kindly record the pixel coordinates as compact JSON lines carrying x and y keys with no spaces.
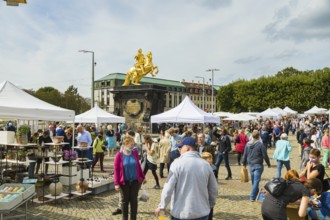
{"x":192,"y":157}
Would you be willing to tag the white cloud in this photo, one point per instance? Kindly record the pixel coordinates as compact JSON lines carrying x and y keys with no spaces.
{"x":39,"y":42}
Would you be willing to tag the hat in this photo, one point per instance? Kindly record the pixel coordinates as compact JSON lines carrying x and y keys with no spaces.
{"x":187,"y":141}
{"x":284,"y":136}
{"x":213,"y":143}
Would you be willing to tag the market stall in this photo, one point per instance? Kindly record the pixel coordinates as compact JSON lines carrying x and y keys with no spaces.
{"x":16,"y":104}
{"x":185,"y":112}
{"x":97,"y":115}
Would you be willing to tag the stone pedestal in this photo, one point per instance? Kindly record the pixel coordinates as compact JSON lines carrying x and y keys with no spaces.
{"x":138,"y":103}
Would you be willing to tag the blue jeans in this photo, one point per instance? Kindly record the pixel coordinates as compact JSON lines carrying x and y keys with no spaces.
{"x":201,"y":218}
{"x":280,"y":163}
{"x":255,"y":171}
{"x":221,"y":157}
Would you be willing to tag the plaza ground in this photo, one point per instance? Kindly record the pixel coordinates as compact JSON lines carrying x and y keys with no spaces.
{"x":232,"y":201}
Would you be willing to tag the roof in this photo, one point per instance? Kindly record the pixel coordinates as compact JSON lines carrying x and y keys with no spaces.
{"x":144,"y":80}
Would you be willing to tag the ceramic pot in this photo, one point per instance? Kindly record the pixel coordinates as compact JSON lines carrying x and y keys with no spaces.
{"x":56,"y":188}
{"x":22,"y":139}
{"x":82,"y":186}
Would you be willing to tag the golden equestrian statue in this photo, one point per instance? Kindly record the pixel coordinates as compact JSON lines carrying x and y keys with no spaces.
{"x":142,"y":67}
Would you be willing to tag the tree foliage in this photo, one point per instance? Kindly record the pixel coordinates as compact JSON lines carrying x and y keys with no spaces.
{"x":300,"y":90}
{"x":69,"y":100}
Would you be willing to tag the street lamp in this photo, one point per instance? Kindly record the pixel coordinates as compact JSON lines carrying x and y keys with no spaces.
{"x":212,"y":70}
{"x":203,"y":103}
{"x":92,"y":52}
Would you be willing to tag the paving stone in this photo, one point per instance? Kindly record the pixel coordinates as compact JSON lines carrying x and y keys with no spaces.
{"x":232,"y":201}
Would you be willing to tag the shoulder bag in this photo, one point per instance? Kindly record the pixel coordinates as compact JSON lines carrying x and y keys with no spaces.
{"x":276,"y":186}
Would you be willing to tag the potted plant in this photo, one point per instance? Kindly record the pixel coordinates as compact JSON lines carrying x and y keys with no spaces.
{"x":21,"y":155}
{"x":22,"y":134}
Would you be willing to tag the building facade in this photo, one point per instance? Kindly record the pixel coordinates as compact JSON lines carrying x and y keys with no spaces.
{"x":176,"y":91}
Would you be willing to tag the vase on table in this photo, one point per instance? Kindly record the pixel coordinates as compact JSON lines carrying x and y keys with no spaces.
{"x":82,"y":186}
{"x":56,"y":188}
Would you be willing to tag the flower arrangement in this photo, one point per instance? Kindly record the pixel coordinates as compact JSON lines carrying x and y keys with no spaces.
{"x":69,"y":155}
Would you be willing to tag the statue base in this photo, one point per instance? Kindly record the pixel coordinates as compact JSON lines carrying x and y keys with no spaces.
{"x":138,"y":103}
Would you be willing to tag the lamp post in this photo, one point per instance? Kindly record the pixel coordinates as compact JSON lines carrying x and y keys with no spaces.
{"x":92,"y":52}
{"x":212,"y":70}
{"x":203,"y":103}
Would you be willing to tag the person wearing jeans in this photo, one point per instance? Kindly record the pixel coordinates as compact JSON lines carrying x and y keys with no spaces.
{"x":256,"y":171}
{"x":254,"y":155}
{"x":282,"y":154}
{"x":225,"y":157}
{"x":223,"y":149}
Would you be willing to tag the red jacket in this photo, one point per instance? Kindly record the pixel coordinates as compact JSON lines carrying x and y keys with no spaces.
{"x":243,"y":139}
{"x":119,"y":176}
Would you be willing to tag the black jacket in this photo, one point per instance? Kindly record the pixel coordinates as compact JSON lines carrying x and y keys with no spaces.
{"x":224,"y":143}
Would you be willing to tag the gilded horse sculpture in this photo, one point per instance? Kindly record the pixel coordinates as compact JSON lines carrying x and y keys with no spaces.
{"x":142,"y":67}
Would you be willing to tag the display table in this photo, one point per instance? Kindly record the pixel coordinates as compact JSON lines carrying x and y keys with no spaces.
{"x":6,"y":211}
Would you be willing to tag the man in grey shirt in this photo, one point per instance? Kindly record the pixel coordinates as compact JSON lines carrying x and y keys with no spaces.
{"x":190,"y":182}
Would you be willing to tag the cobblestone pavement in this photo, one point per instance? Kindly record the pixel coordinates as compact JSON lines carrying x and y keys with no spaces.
{"x":232,"y":203}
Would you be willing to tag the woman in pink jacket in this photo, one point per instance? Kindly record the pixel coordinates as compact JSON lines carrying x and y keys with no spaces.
{"x":240,"y":143}
{"x":128,"y":177}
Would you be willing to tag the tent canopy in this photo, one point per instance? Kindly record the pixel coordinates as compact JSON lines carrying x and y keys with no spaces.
{"x":97,"y":115}
{"x":290,"y":111}
{"x":316,"y":110}
{"x":279,"y":111}
{"x":222,"y":114}
{"x":185,"y":112}
{"x":240,"y":117}
{"x":269,"y":113}
{"x":17,"y":104}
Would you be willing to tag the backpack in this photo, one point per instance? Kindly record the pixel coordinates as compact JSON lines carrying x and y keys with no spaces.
{"x":276,"y":186}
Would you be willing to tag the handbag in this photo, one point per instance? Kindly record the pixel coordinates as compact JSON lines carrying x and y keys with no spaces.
{"x":144,"y":197}
{"x":276,"y":186}
{"x":237,"y":139}
{"x":326,"y":183}
{"x":244,"y":175}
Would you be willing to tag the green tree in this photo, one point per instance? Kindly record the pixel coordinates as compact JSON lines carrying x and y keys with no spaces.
{"x":299,"y":90}
{"x":72,"y":100}
{"x":50,"y":95}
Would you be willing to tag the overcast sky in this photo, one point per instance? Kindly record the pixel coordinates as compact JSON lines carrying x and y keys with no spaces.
{"x":39,"y":41}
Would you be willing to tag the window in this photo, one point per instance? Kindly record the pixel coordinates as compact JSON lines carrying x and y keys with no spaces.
{"x":108,"y":101}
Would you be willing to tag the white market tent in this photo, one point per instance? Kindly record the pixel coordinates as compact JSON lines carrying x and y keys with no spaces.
{"x":269,"y":113}
{"x":185,"y":112}
{"x":223,"y":114}
{"x":316,"y":110}
{"x":240,"y":117}
{"x":279,"y":111}
{"x":97,"y":115}
{"x":17,"y":104}
{"x":290,"y":111}
{"x":254,"y":114}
